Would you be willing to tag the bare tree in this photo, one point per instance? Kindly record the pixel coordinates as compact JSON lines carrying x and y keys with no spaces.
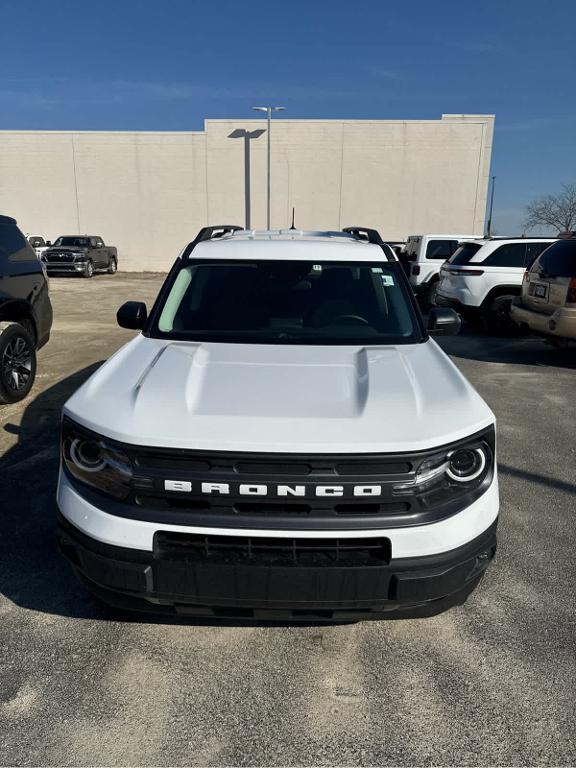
{"x":557,"y":211}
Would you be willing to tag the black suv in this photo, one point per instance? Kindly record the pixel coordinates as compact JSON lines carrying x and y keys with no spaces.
{"x":25,"y":312}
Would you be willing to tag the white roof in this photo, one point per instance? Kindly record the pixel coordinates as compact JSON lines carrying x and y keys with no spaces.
{"x":289,"y":245}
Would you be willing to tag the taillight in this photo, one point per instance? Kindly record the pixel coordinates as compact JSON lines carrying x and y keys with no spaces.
{"x":571,"y":295}
{"x":526,"y":276}
{"x":415,"y":269}
{"x":467,"y":272}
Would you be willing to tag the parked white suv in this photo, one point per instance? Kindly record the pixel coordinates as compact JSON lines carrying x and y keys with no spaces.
{"x":283,"y":438}
{"x":483,"y":276}
{"x":425,"y":255}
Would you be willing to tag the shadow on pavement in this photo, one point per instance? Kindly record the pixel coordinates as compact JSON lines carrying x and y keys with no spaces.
{"x":33,"y":573}
{"x":470,"y":344}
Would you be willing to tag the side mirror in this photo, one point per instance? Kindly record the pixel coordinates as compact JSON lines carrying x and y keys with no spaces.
{"x":443,"y":322}
{"x":133,"y":315}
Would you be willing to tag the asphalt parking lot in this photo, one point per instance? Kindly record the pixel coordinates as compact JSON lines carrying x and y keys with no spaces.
{"x":491,"y":682}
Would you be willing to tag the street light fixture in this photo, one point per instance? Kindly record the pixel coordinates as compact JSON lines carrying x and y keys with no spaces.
{"x":268,"y":111}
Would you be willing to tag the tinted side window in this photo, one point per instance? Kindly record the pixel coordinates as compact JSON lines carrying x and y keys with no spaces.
{"x":559,"y":260}
{"x":533,"y":250}
{"x":441,"y":249}
{"x":14,"y":246}
{"x":507,"y":255}
{"x":463,"y":254}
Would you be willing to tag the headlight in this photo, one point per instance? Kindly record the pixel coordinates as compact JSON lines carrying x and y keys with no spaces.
{"x":466,"y":464}
{"x":459,"y":473}
{"x":95,"y":461}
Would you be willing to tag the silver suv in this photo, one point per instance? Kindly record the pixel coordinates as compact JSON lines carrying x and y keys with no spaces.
{"x":547,"y":305}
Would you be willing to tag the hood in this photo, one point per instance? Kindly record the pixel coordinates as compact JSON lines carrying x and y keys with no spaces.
{"x":276,"y":398}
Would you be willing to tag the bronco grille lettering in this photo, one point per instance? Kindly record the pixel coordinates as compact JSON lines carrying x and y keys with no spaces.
{"x":261,"y":489}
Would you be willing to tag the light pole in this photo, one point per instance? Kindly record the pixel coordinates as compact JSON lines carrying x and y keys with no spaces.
{"x":268,"y":111}
{"x":489,"y":227}
{"x":241,"y":133}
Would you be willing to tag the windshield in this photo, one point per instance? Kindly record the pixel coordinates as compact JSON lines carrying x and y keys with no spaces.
{"x":288,"y":302}
{"x":76,"y":242}
{"x":464,"y":253}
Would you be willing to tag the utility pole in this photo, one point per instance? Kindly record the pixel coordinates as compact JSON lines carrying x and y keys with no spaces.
{"x":268,"y":111}
{"x":489,"y":225}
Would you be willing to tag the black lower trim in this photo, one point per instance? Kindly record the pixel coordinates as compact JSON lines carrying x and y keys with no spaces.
{"x":199,"y":583}
{"x":458,"y":306}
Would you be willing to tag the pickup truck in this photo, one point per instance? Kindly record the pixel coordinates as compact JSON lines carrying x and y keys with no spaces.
{"x":80,"y":254}
{"x":39,"y":244}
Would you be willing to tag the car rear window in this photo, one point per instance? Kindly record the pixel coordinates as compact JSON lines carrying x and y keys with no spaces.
{"x":559,"y":260}
{"x":465,"y":253}
{"x":441,"y":249}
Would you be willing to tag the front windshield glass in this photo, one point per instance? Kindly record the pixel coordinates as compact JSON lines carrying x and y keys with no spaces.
{"x":75,"y":242}
{"x":290,"y":302}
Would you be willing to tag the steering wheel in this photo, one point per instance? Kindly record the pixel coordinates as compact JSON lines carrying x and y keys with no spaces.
{"x":349,"y":320}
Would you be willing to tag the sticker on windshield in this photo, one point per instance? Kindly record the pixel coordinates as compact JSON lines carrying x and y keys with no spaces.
{"x":387,"y":279}
{"x":377,"y":270}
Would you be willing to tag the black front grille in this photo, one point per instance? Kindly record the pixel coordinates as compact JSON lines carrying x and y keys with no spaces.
{"x":150,"y":501}
{"x":272,"y":550}
{"x":59,"y":258}
{"x":247,"y":487}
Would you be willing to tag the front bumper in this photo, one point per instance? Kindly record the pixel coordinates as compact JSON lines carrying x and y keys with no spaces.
{"x":562,"y":323}
{"x":65,"y":267}
{"x":208,"y":585}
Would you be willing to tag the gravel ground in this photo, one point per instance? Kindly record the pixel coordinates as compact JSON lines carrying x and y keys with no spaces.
{"x":491,"y":682}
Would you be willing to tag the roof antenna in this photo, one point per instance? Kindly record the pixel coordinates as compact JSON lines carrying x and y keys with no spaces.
{"x":292,"y":227}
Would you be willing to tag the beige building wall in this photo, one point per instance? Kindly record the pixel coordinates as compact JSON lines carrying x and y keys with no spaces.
{"x":149,"y":193}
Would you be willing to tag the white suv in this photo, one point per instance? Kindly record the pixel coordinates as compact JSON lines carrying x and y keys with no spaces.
{"x":282,"y":438}
{"x":483,"y":276}
{"x":425,"y":255}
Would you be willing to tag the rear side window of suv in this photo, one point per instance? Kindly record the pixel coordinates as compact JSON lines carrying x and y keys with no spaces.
{"x":533,"y":250}
{"x":559,"y":260}
{"x":507,"y":255}
{"x":465,"y":253}
{"x":441,"y":249}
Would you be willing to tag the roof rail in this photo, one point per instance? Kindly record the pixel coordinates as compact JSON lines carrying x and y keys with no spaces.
{"x":371,"y":236}
{"x":363,"y":233}
{"x":209,"y":233}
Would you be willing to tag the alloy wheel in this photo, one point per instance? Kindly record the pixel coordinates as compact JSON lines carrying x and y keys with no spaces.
{"x":17,"y":364}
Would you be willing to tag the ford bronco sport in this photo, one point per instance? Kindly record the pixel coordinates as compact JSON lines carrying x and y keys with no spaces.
{"x":282,"y":439}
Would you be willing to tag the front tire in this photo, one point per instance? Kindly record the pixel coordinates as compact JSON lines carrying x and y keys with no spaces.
{"x":17,"y":362}
{"x":88,"y":269}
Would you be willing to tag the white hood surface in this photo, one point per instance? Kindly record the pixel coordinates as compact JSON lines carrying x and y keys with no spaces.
{"x":279,"y":398}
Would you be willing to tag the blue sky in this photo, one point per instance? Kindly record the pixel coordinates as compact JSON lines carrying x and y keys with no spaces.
{"x":168,"y":64}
